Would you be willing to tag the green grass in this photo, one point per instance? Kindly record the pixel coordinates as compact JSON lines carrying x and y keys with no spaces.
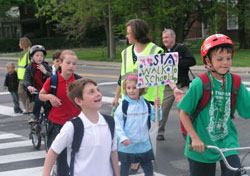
{"x":241,"y":56}
{"x":91,"y":53}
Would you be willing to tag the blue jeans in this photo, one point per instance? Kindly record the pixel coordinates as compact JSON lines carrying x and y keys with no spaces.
{"x":208,"y":169}
{"x":146,"y":166}
{"x":37,"y":106}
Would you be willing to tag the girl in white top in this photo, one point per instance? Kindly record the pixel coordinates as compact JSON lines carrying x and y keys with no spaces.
{"x":98,"y":152}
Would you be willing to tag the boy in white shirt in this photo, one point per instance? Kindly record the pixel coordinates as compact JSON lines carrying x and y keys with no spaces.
{"x":98,"y":151}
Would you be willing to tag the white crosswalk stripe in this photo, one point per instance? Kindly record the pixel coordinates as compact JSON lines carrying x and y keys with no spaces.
{"x":9,"y":160}
{"x":23,"y":172}
{"x":25,"y":144}
{"x":24,"y":156}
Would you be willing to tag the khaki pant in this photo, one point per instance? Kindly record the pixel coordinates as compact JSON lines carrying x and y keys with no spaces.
{"x":168,"y":100}
{"x":28,"y":106}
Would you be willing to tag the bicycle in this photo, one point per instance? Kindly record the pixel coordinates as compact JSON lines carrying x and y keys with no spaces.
{"x":39,"y":130}
{"x":242,"y":169}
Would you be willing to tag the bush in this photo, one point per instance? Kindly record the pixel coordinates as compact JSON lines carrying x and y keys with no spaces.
{"x":9,"y":45}
{"x":56,"y":43}
{"x":194,"y":45}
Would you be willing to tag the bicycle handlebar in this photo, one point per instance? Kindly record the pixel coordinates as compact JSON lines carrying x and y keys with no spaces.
{"x":35,"y":92}
{"x":224,"y":158}
{"x":220,"y":151}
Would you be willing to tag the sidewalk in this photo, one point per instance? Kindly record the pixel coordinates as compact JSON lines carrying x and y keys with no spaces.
{"x":197,"y":68}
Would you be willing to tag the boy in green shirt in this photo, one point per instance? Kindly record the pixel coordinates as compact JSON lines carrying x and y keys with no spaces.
{"x":213,"y":125}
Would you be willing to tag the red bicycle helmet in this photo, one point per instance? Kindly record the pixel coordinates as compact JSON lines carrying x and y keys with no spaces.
{"x":36,"y":48}
{"x":213,"y":41}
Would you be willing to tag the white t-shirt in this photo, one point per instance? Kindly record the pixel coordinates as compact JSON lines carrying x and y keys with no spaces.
{"x":53,"y":70}
{"x":93,"y":158}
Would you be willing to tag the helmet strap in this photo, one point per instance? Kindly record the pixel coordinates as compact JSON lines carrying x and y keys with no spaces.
{"x":212,"y":69}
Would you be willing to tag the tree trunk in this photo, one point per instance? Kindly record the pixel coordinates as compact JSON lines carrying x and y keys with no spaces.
{"x":112,"y":50}
{"x":244,"y":44}
{"x":179,"y":30}
{"x":106,"y":22}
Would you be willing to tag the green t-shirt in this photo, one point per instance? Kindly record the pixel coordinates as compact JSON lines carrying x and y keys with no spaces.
{"x":214,"y":125}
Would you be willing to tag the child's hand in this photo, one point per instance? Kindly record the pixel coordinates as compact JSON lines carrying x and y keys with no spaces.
{"x":126,"y":142}
{"x":157,"y":102}
{"x":115,"y":102}
{"x":55,"y":101}
{"x":179,"y":94}
{"x":41,"y":68}
{"x":31,"y":89}
{"x":198,"y":145}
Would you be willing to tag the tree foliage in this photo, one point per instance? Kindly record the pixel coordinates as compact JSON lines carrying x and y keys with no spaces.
{"x":75,"y":16}
{"x":71,"y":16}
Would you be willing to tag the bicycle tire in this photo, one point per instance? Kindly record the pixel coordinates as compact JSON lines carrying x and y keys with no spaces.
{"x":36,"y":140}
{"x":46,"y":136}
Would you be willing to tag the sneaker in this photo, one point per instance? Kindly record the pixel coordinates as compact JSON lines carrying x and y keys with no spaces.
{"x":32,"y":119}
{"x":160,"y":137}
{"x":27,"y":113}
{"x":19,"y":110}
{"x":133,"y":171}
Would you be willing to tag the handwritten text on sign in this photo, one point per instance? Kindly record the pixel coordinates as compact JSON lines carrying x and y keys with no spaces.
{"x":156,"y":70}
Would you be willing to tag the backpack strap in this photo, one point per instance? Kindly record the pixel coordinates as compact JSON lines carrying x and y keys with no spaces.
{"x":53,"y":84}
{"x":125,"y":104}
{"x":111,"y":124}
{"x":77,"y":76}
{"x":205,"y":97}
{"x":234,"y":91}
{"x":149,"y":113}
{"x":124,"y":111}
{"x":77,"y":140}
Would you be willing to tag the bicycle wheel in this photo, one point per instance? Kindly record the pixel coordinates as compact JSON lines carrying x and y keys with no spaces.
{"x":46,"y":135}
{"x":36,"y":137}
{"x":36,"y":140}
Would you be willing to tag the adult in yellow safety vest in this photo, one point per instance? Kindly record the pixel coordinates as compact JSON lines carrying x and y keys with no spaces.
{"x":25,"y":44}
{"x":137,"y":35}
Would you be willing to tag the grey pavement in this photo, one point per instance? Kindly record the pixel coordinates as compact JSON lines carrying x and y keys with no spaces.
{"x":197,"y":68}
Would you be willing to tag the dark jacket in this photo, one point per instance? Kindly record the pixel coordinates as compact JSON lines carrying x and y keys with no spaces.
{"x":186,"y":60}
{"x":30,"y":71}
{"x":11,"y":81}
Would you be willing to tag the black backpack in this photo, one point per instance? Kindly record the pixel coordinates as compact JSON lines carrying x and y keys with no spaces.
{"x":125,"y":104}
{"x":78,"y":136}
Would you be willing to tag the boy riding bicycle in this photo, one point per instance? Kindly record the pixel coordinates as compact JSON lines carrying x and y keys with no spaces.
{"x":213,"y":124}
{"x":36,"y":74}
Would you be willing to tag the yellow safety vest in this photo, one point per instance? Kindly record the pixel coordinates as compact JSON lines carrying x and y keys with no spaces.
{"x":129,"y":67}
{"x":21,"y":65}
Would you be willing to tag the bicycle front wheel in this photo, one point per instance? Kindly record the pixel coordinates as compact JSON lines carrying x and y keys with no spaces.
{"x":36,"y":140}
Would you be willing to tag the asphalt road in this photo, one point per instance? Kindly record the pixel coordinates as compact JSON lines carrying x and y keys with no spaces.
{"x":17,"y":156}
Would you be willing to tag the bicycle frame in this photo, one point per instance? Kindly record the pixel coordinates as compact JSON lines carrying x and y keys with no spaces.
{"x":224,"y":158}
